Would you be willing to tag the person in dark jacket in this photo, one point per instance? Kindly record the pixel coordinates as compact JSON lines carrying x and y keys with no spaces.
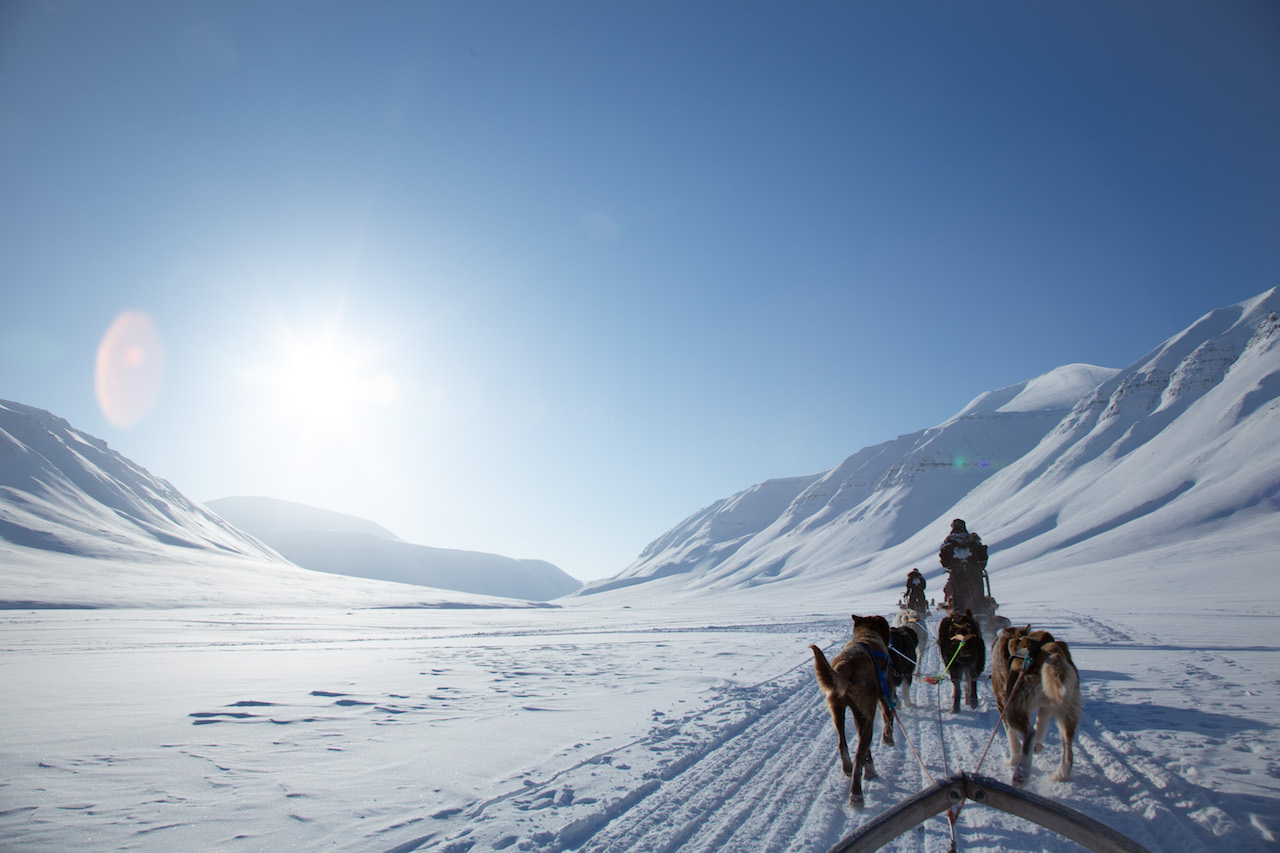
{"x":915,"y":592}
{"x":965,"y":558}
{"x":962,"y":546}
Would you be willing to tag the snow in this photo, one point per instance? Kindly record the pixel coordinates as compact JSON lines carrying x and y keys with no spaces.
{"x":671,"y":728}
{"x":174,"y":684}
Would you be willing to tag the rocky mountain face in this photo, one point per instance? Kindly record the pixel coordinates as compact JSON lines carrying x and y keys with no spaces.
{"x":1183,"y":438}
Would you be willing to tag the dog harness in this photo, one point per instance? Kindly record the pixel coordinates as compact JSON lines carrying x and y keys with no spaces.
{"x":881,"y":662}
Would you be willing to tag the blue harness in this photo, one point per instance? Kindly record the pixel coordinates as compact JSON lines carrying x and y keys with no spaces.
{"x":881,"y":662}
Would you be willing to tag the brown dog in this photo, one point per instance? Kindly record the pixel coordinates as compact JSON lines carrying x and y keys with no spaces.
{"x":964,"y":654}
{"x":1034,"y":681}
{"x":857,"y":679}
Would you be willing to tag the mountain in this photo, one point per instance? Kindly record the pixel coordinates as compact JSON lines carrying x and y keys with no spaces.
{"x":64,"y":490}
{"x":1085,"y":463}
{"x":875,"y":499}
{"x":82,"y":526}
{"x":328,"y":541}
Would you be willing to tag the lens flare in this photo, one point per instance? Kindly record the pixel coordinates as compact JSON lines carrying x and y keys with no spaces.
{"x":129,"y":370}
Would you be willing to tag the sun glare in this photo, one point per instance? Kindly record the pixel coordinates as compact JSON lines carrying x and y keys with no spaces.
{"x":326,"y":384}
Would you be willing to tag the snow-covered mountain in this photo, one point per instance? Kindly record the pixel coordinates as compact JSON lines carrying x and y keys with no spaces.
{"x":1178,"y":450}
{"x":63,"y":490}
{"x":328,"y":541}
{"x":82,"y":526}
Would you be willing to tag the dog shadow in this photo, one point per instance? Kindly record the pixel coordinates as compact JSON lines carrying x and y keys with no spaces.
{"x":1149,"y":716}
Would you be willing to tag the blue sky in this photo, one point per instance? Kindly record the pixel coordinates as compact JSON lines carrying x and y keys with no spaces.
{"x":543,"y":279}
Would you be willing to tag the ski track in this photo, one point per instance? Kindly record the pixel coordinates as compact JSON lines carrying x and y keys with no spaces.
{"x":758,"y":770}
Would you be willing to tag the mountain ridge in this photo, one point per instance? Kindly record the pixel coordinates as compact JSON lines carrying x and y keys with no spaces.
{"x":1196,"y":410}
{"x":336,"y":543}
{"x":74,"y":510}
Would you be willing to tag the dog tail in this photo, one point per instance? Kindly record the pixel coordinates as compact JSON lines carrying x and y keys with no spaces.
{"x":826,"y":675}
{"x":1058,"y":675}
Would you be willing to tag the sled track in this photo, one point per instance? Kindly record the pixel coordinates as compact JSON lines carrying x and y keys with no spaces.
{"x":758,"y":783}
{"x":759,"y":771}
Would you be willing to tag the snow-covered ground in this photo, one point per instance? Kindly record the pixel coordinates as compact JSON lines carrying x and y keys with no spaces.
{"x":600,"y":728}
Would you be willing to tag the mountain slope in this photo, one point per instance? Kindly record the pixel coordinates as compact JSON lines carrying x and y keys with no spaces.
{"x":328,"y":541}
{"x":873,"y":500}
{"x":1177,"y":448}
{"x":82,"y":526}
{"x":64,"y":490}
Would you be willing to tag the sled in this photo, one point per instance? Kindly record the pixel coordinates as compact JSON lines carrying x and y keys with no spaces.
{"x":919,"y":612}
{"x":952,"y":792}
{"x":969,"y":589}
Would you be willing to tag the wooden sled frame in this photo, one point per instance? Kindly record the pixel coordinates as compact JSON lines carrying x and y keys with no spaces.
{"x":953,"y":791}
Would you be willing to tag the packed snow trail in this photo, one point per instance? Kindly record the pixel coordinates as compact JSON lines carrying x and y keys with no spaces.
{"x":758,"y":770}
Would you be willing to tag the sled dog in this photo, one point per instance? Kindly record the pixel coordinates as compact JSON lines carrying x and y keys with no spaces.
{"x":1035,"y":680}
{"x":964,"y":654}
{"x":857,"y":679}
{"x":904,"y":653}
{"x":909,"y":619}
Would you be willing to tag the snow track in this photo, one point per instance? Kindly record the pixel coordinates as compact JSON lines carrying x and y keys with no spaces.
{"x":597,"y":731}
{"x":757,"y":770}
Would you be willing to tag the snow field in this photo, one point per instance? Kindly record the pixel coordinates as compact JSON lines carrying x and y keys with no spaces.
{"x":589,"y":730}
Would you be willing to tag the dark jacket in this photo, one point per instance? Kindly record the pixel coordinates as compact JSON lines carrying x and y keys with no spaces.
{"x":959,"y":547}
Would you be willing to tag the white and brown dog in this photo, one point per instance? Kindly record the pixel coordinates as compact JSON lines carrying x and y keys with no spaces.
{"x":1034,"y":681}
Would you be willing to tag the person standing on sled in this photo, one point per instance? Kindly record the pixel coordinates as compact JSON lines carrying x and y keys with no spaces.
{"x":965,"y":558}
{"x":915,"y":592}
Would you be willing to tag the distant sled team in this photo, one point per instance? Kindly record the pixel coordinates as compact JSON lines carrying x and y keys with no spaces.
{"x":1033,"y":678}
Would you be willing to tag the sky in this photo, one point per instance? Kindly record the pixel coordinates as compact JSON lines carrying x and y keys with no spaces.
{"x":544,"y":279}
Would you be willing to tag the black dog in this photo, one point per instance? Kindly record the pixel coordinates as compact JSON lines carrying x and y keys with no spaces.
{"x":903,"y":651}
{"x":964,"y":653}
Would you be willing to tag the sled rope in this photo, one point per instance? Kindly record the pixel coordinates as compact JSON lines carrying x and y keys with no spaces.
{"x":901,"y":655}
{"x":919,"y":760}
{"x":1017,"y":681}
{"x":947,"y":668}
{"x":953,"y":813}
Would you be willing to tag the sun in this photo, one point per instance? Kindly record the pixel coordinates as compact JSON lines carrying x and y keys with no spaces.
{"x":325,"y":383}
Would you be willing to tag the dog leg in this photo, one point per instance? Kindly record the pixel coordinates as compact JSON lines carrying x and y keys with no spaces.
{"x":1067,"y":729}
{"x":906,"y":691}
{"x":837,"y":714}
{"x":1023,"y":770}
{"x":863,"y":767}
{"x":1016,"y":725}
{"x":1015,"y":746}
{"x":866,"y":734}
{"x":886,"y":717}
{"x":1043,"y":718}
{"x":972,"y":698}
{"x":955,"y":693}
